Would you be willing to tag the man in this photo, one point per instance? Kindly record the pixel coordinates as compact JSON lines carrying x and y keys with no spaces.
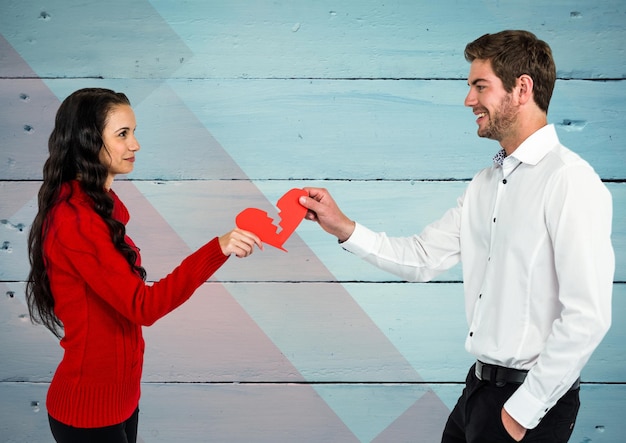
{"x":533,"y":234}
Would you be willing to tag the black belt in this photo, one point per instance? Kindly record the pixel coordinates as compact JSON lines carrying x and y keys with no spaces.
{"x":500,"y":376}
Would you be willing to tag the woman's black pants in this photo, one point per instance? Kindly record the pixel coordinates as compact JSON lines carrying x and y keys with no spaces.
{"x":125,"y":432}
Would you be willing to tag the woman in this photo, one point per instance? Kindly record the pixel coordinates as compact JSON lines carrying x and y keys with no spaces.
{"x":86,"y":282}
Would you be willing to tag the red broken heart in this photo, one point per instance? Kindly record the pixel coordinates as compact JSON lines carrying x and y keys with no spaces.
{"x":291,"y":214}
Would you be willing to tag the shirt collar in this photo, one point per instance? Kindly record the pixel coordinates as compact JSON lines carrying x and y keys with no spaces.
{"x":534,"y":148}
{"x":498,"y":159}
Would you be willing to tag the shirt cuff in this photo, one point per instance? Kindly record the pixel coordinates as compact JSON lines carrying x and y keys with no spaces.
{"x":361,"y":242}
{"x":527,"y":410}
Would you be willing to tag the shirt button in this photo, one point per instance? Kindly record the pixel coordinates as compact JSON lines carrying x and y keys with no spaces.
{"x":504,"y":181}
{"x":471,"y":334}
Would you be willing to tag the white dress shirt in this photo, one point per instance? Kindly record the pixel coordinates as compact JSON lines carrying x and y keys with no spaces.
{"x":533,"y":236}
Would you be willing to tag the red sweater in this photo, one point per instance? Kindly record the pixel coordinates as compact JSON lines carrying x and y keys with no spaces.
{"x":103,"y":304}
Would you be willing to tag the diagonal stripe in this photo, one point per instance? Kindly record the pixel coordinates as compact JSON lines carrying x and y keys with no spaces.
{"x":326,"y":331}
{"x":113,"y":39}
{"x":423,"y":422}
{"x":370,"y":410}
{"x":210,"y":338}
{"x":25,"y":119}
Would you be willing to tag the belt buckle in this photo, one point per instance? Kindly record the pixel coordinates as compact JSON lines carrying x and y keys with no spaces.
{"x":493,"y":374}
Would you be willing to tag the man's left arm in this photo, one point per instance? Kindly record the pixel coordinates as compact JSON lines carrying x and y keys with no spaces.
{"x":578,"y":217}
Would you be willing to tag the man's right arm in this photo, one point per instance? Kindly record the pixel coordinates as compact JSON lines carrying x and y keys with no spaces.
{"x":416,"y":258}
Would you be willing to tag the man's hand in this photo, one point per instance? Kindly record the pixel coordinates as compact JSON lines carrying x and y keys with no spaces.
{"x":515,"y":430}
{"x":323,"y":209}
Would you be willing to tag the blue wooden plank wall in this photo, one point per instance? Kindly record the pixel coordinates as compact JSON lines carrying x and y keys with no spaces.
{"x":238,"y":102}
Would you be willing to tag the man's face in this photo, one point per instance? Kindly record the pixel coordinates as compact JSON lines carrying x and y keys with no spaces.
{"x":495,"y":108}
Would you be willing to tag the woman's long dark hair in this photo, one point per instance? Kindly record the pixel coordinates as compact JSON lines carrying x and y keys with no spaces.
{"x":74,"y":148}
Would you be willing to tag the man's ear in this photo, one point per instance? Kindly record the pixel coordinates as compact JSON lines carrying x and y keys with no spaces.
{"x":525,"y":84}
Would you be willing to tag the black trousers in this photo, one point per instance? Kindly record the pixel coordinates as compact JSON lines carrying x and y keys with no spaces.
{"x":125,"y":432}
{"x":476,"y":417}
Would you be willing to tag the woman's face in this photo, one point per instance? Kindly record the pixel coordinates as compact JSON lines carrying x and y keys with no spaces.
{"x":118,"y":142}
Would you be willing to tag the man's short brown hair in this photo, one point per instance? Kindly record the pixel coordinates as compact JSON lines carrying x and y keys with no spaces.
{"x":514,"y":53}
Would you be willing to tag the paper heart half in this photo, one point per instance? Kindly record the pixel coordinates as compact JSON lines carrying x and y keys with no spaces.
{"x":291,"y":214}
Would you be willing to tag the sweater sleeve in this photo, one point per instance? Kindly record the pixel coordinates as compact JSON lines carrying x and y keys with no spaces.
{"x":82,"y":251}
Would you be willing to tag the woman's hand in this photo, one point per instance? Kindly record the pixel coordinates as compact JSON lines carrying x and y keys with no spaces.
{"x":239,"y":242}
